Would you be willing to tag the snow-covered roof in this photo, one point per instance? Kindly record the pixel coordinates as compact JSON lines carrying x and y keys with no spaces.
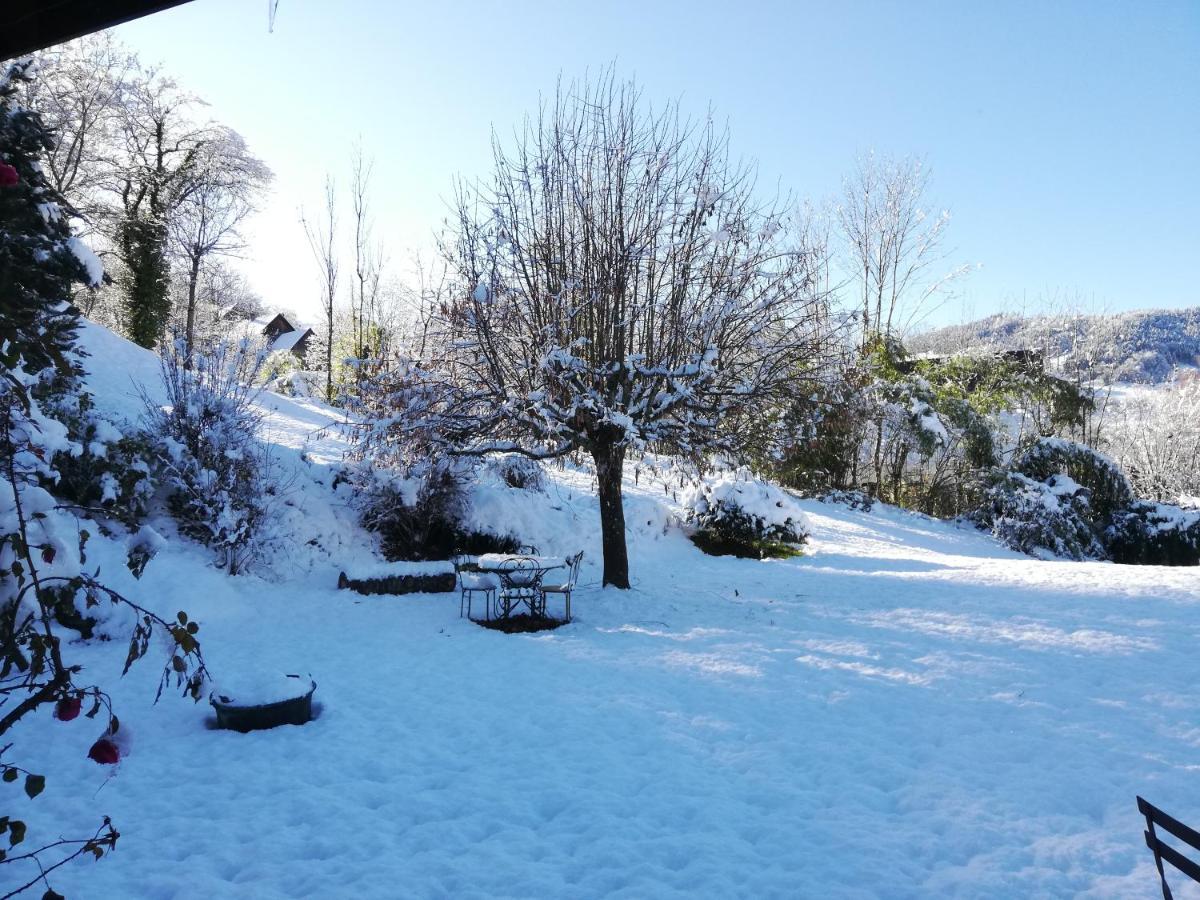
{"x":289,"y":339}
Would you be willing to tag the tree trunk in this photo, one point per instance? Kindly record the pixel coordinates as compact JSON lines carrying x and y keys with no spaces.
{"x":193,"y":280}
{"x":878,"y":456}
{"x":329,"y":352}
{"x":610,"y":465}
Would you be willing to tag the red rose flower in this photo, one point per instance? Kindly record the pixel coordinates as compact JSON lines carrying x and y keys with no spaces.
{"x":105,"y":752}
{"x":8,"y":175}
{"x":67,"y":708}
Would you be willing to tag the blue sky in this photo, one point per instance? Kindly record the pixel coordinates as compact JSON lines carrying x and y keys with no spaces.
{"x":1064,"y":137}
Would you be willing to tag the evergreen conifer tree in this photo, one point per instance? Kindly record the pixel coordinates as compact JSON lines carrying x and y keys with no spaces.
{"x":39,"y":260}
{"x":143,"y":241}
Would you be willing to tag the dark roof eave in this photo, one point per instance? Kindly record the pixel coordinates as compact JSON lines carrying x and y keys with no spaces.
{"x":29,"y":25}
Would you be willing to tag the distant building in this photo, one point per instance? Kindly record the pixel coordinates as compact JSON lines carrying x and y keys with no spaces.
{"x":1030,"y":361}
{"x":282,"y":335}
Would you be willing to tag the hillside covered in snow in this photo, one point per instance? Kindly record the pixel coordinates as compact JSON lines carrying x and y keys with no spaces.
{"x":908,"y":709}
{"x":1143,"y":347}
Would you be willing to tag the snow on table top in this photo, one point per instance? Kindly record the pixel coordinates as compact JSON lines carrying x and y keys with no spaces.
{"x":495,"y":561}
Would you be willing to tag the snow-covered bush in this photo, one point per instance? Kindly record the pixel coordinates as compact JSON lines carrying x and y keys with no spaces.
{"x":1071,"y":501}
{"x":1058,"y":499}
{"x":416,"y":517}
{"x":518,"y":472}
{"x":422,"y":516}
{"x":297,"y":384}
{"x":283,"y":373}
{"x":105,"y":471}
{"x":1154,"y":534}
{"x":209,"y":456}
{"x":1052,"y":518}
{"x":820,"y":433}
{"x":736,"y":514}
{"x":850,"y":499}
{"x":1108,"y":489}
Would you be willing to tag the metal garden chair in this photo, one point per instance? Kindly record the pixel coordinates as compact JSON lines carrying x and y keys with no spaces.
{"x":520,"y":582}
{"x":566,"y":586}
{"x":1163,"y":852}
{"x":471,"y":582}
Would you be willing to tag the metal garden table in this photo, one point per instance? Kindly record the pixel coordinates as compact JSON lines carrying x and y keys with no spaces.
{"x":520,"y":580}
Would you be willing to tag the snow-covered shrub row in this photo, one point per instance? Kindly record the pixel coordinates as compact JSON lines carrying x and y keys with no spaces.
{"x":1068,"y":500}
{"x":736,"y":510}
{"x":1155,"y":534}
{"x":1050,"y":518}
{"x":209,"y":455}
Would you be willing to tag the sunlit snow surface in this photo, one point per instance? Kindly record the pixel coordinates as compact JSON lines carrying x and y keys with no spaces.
{"x":908,"y":710}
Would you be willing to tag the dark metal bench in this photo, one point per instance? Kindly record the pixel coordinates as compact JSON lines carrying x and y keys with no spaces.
{"x":1164,"y":852}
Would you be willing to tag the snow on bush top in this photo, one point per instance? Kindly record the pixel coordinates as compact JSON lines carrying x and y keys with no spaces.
{"x":775,"y":514}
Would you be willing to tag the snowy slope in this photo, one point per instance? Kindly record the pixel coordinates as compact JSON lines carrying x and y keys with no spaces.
{"x":908,"y":710}
{"x":119,"y":370}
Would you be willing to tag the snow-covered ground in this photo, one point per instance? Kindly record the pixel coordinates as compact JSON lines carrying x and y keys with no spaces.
{"x":907,"y":710}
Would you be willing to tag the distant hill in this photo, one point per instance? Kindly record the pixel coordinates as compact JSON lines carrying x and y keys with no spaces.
{"x":1142,"y":347}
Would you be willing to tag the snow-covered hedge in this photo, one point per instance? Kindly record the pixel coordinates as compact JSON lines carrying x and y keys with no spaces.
{"x":737,"y":509}
{"x":1068,"y":500}
{"x":1155,"y":534}
{"x":1041,"y":518}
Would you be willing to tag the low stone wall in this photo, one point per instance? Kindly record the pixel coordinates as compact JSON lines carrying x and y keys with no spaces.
{"x":438,"y":583}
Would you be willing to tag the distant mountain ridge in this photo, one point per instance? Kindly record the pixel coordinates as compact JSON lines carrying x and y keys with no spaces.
{"x":1145,"y":346}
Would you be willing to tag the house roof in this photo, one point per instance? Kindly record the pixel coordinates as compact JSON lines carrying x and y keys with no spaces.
{"x":289,"y":339}
{"x":28,"y":25}
{"x":280,"y":318}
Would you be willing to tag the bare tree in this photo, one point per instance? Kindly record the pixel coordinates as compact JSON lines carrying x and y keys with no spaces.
{"x":205,"y":224}
{"x":130,"y":155}
{"x":618,"y":285}
{"x":80,"y":93}
{"x":322,"y":241}
{"x":227,"y":293}
{"x":1155,"y":436}
{"x":892,"y":244}
{"x":223,"y":298}
{"x":368,"y":258}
